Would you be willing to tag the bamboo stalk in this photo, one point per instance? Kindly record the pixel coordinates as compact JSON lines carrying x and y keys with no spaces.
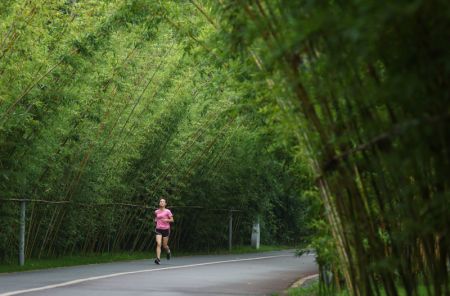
{"x":30,"y":87}
{"x":12,"y":30}
{"x":203,"y":12}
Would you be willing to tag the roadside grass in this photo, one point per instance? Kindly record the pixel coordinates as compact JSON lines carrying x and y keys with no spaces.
{"x":64,"y":261}
{"x":313,"y":290}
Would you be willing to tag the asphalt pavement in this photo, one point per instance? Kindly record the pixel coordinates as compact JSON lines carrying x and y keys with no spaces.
{"x":246,"y":274}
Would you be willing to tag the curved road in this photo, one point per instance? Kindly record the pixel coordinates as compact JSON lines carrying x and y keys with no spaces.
{"x":247,"y":274}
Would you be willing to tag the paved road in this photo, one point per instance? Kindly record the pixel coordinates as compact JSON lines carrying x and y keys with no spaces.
{"x":249,"y":274}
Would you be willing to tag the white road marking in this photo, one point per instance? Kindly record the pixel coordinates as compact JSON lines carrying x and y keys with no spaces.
{"x":73,"y":282}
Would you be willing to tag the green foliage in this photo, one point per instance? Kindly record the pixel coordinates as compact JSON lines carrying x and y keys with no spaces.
{"x":255,"y":106}
{"x":105,"y":103}
{"x":366,"y":94}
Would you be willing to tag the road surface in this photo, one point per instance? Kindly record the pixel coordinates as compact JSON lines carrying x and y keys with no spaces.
{"x":246,"y":274}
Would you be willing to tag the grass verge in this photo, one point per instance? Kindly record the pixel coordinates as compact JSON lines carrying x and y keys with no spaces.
{"x":310,"y":289}
{"x":34,"y":264}
{"x":313,"y":290}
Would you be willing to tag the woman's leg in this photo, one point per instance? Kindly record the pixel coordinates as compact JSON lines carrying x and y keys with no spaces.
{"x":165,"y":241}
{"x":158,"y":246}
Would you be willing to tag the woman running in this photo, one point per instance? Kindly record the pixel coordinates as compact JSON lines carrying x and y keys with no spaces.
{"x":163,"y":218}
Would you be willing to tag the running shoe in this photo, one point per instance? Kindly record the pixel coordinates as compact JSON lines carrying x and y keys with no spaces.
{"x":157,"y":261}
{"x":168,"y":255}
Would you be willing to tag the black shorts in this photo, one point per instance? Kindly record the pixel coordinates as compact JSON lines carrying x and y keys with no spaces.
{"x":163,"y":232}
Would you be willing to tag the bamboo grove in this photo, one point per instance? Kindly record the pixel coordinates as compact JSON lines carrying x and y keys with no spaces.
{"x":368,"y":84}
{"x":109,"y":103}
{"x":327,"y":119}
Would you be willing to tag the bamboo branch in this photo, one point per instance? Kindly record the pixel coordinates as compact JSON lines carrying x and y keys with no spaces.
{"x":382,"y":140}
{"x":202,"y":11}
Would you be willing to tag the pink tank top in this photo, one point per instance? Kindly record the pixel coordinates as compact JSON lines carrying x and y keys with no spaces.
{"x":162,"y":214}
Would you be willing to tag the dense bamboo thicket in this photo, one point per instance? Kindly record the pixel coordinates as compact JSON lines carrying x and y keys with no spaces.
{"x":108,"y":103}
{"x":368,"y":82}
{"x":233,"y":105}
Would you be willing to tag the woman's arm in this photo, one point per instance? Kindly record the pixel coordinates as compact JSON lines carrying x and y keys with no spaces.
{"x":169,"y":219}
